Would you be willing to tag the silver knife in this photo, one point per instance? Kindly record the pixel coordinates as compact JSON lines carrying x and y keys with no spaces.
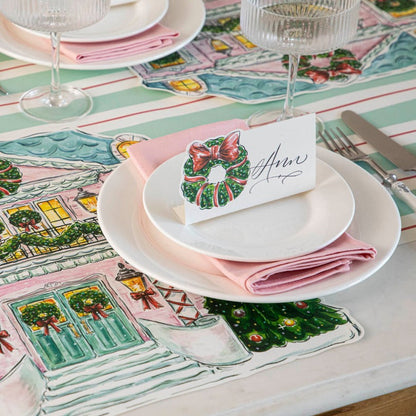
{"x":383,"y":143}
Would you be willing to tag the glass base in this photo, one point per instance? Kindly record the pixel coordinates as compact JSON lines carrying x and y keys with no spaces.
{"x":70,"y":104}
{"x":261,"y":118}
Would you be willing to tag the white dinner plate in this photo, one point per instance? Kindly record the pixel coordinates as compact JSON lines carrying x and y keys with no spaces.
{"x":280,"y":229}
{"x":127,"y":228}
{"x":121,"y":22}
{"x":185,"y":16}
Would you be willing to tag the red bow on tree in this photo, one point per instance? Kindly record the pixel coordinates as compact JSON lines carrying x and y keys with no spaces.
{"x":4,"y":334}
{"x":146,"y":298}
{"x":30,"y":223}
{"x":227,"y":151}
{"x":44,"y":323}
{"x":95,"y":310}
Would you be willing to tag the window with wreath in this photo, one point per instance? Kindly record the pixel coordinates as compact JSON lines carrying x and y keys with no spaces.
{"x":25,"y":219}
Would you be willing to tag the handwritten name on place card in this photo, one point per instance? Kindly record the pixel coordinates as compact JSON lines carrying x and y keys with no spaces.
{"x":246,"y":168}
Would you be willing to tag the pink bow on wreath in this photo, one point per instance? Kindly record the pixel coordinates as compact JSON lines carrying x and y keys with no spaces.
{"x":95,"y":310}
{"x":146,"y":298}
{"x":45,"y":324}
{"x":26,"y":225}
{"x":4,"y":334}
{"x":321,"y":76}
{"x":227,"y":151}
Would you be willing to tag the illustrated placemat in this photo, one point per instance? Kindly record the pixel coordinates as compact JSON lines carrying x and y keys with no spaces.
{"x":222,"y":61}
{"x":74,"y":316}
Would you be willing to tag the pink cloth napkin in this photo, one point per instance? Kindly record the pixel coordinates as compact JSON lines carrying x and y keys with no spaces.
{"x":156,"y":37}
{"x":258,"y":278}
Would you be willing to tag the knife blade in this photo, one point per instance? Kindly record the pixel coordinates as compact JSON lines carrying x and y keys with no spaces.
{"x":383,"y":143}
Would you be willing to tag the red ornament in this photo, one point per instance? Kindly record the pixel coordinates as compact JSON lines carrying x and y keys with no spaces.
{"x":301,"y":305}
{"x":256,"y":338}
{"x":239,"y":313}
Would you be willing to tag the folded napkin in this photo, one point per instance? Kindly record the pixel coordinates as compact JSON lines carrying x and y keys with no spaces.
{"x":257,"y":278}
{"x":156,"y":37}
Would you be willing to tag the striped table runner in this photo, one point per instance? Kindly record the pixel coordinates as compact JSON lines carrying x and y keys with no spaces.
{"x":123,"y":104}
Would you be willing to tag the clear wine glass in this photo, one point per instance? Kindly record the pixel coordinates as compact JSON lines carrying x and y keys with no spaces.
{"x":55,"y":102}
{"x":297,"y":28}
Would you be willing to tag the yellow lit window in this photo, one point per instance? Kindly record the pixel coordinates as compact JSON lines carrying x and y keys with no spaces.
{"x":245,"y":42}
{"x":160,"y":65}
{"x":185,"y":85}
{"x":58,"y":217}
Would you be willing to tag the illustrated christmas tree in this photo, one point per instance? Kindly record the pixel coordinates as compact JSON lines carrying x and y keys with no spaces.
{"x":263,"y":326}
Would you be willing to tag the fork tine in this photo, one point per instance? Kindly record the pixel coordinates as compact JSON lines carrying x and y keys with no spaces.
{"x":326,"y":142}
{"x":342,"y":146}
{"x":346,"y":139}
{"x":332,"y":138}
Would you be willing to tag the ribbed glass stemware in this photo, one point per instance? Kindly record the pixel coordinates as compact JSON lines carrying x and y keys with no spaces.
{"x":56,"y":102}
{"x":297,"y":28}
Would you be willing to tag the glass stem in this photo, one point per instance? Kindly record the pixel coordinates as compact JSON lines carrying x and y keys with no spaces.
{"x":55,"y":96}
{"x":290,"y":91}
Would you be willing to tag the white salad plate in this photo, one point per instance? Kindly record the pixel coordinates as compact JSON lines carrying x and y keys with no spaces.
{"x":127,"y":228}
{"x":184,"y":16}
{"x":122,"y":21}
{"x":277,"y":230}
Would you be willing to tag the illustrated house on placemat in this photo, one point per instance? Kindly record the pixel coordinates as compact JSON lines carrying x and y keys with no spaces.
{"x":222,"y":61}
{"x":50,"y":213}
{"x":67,"y":332}
{"x":59,"y":313}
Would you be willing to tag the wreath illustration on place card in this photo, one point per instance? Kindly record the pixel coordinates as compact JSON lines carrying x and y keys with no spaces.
{"x":226,"y":152}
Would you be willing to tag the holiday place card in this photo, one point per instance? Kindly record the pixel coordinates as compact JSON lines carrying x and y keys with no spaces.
{"x":243,"y":169}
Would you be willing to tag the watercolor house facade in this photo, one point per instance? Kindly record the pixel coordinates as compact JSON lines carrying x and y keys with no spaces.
{"x":81,"y":331}
{"x":53,"y":261}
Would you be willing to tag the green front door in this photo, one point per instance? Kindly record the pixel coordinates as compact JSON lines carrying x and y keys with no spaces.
{"x":75,"y":324}
{"x":102,"y":322}
{"x":49,"y":326}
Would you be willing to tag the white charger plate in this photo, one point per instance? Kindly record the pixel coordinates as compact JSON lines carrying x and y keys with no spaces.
{"x":185,"y":16}
{"x":122,"y":21}
{"x":127,"y":228}
{"x":280,"y":229}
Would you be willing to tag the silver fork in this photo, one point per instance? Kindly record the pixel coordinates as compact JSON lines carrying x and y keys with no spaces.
{"x":337,"y":141}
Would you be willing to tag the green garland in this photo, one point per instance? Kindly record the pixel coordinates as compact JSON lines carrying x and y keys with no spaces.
{"x":42,"y":311}
{"x":2,"y":228}
{"x":86,"y":298}
{"x":70,"y":235}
